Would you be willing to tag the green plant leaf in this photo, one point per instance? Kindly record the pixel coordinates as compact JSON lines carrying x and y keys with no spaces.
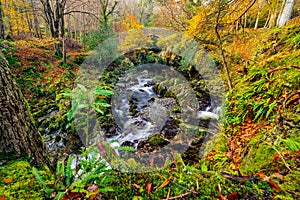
{"x":99,"y":110}
{"x":101,"y":91}
{"x":81,"y":87}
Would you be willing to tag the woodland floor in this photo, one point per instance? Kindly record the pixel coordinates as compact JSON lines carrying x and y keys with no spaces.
{"x":257,"y":155}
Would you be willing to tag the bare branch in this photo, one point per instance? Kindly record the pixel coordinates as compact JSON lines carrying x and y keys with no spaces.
{"x":84,"y":12}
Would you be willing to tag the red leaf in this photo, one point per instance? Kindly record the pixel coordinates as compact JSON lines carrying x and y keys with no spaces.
{"x":274,"y":185}
{"x":232,"y":196}
{"x":221,"y":197}
{"x":2,"y":197}
{"x":148,"y":185}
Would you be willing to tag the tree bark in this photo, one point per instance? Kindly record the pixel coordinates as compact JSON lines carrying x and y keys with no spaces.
{"x":18,"y":133}
{"x":286,"y":13}
{"x":2,"y":34}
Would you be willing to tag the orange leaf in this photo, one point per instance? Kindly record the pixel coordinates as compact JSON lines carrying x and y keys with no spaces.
{"x":136,"y":186}
{"x":2,"y":197}
{"x":261,"y":175}
{"x":274,"y":185}
{"x":94,"y":195}
{"x":221,"y":197}
{"x":7,"y":180}
{"x":165,"y":183}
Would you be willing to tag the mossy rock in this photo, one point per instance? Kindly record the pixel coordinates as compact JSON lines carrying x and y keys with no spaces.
{"x":189,"y":129}
{"x":156,"y":140}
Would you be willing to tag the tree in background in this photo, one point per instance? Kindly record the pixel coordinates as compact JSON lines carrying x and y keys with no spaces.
{"x":17,"y":17}
{"x":128,"y":22}
{"x":54,"y":15}
{"x":104,"y":29}
{"x":286,"y":13}
{"x":2,"y":34}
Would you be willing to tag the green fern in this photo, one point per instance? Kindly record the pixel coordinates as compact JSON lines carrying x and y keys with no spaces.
{"x":68,"y":171}
{"x":125,"y":148}
{"x":62,"y":171}
{"x":291,"y":144}
{"x":38,"y":177}
{"x":41,"y":181}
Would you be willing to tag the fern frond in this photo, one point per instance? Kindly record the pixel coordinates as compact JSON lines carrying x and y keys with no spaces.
{"x":68,"y":171}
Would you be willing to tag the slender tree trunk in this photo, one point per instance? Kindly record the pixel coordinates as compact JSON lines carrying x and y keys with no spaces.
{"x":2,"y":33}
{"x":272,"y":20}
{"x":286,"y":13}
{"x":63,"y":36}
{"x":257,"y":20}
{"x":36,"y":24}
{"x":221,"y":45}
{"x":245,"y":21}
{"x":267,"y":21}
{"x":17,"y":130}
{"x":69,"y":28}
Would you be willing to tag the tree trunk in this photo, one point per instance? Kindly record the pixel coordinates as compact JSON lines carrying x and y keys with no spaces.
{"x":272,"y":20}
{"x":2,"y":34}
{"x":36,"y":25}
{"x":18,"y":133}
{"x":286,"y":13}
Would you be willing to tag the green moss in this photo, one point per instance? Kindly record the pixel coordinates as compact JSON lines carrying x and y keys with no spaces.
{"x":17,"y":181}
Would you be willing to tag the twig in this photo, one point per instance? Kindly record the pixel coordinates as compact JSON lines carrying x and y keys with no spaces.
{"x":238,"y":178}
{"x":277,"y":69}
{"x":281,"y":156}
{"x":295,"y":66}
{"x":290,"y":96}
{"x":179,"y":196}
{"x":282,"y":68}
{"x":293,"y":193}
{"x":185,"y":188}
{"x":245,"y":11}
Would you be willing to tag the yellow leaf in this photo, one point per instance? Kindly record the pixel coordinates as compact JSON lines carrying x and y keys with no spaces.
{"x":164,"y":184}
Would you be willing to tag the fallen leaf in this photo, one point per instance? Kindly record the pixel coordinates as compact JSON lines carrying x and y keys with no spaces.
{"x":263,"y":176}
{"x":148,"y":185}
{"x":7,"y":180}
{"x":165,"y":183}
{"x":274,"y":185}
{"x":94,"y":195}
{"x":73,"y":195}
{"x":91,"y":187}
{"x":53,"y":194}
{"x":232,"y":196}
{"x":221,"y":197}
{"x":136,"y":186}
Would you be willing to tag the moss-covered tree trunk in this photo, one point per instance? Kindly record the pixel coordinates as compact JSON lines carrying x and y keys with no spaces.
{"x":18,"y":134}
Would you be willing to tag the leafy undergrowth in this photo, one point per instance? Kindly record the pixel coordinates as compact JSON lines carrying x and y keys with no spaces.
{"x":42,"y":76}
{"x":261,"y":133}
{"x":18,"y":182}
{"x":256,"y":157}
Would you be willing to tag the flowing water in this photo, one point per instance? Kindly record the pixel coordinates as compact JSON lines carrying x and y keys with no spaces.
{"x":140,"y":112}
